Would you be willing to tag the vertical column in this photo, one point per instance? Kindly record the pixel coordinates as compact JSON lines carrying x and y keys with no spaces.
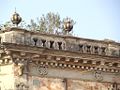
{"x":65,"y":83}
{"x":21,"y":74}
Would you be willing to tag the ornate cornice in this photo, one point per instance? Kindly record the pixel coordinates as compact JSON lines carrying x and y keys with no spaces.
{"x":13,"y":53}
{"x":33,"y":49}
{"x":64,"y":59}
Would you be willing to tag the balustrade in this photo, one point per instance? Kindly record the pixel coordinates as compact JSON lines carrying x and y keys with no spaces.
{"x":64,"y":44}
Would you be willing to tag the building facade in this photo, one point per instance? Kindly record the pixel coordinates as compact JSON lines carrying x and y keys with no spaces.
{"x":36,"y":61}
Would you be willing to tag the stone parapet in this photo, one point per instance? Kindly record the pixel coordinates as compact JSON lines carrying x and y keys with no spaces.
{"x":61,"y":42}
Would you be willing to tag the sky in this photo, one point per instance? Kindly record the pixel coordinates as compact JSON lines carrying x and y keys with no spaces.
{"x":95,"y":19}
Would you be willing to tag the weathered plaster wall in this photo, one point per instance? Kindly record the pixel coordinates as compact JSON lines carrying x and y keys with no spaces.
{"x":75,"y":74}
{"x":83,"y":85}
{"x":37,"y":83}
{"x":6,"y":77}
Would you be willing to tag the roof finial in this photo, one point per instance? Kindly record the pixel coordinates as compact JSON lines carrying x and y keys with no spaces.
{"x":68,"y":25}
{"x":16,"y":19}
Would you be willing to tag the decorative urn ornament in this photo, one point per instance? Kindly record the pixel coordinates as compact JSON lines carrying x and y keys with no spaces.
{"x":16,"y":19}
{"x":67,"y":25}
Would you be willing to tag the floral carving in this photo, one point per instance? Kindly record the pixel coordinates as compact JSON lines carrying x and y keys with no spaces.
{"x":98,"y":75}
{"x":42,"y":69}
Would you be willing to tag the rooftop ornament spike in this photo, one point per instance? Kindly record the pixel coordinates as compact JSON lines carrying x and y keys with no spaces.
{"x":67,"y":25}
{"x":16,"y":19}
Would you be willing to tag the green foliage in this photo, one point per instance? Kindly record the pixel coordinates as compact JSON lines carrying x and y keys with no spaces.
{"x":6,"y":25}
{"x":32,"y":26}
{"x":48,"y":23}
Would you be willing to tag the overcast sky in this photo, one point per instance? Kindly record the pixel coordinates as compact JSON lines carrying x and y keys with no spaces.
{"x":95,"y":19}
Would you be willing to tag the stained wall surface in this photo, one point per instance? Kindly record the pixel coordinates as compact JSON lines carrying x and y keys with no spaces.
{"x":38,"y":83}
